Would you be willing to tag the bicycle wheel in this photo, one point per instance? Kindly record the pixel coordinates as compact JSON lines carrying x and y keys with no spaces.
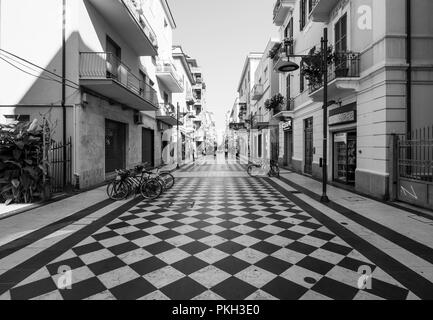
{"x":151,"y":189}
{"x":117,"y":190}
{"x":168,"y":179}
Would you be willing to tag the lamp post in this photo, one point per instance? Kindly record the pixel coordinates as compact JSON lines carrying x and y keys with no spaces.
{"x":287,"y":66}
{"x":177,"y":150}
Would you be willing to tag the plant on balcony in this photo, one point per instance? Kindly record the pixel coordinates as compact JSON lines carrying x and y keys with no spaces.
{"x":190,"y":102}
{"x":312,"y":65}
{"x":275,"y":103}
{"x":24,"y":162}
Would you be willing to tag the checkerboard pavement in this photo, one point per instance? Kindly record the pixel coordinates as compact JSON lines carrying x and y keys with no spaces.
{"x":221,"y":238}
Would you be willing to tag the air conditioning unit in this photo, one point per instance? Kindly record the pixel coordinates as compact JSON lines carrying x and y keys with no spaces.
{"x":138,"y":118}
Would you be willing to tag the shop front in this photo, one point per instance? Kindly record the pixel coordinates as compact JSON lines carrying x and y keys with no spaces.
{"x":342,"y":123}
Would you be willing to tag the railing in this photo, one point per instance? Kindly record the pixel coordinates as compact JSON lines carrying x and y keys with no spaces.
{"x":288,"y":106}
{"x":57,"y":163}
{"x":258,"y":90}
{"x":168,"y":67}
{"x":103,"y":65}
{"x":135,"y":7}
{"x":167,"y":110}
{"x":415,"y":155}
{"x":344,"y":65}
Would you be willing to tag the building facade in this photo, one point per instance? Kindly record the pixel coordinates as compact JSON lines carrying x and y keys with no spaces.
{"x":122,"y":79}
{"x":380,"y":78}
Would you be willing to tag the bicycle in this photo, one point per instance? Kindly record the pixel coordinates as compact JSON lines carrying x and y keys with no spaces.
{"x":128,"y":182}
{"x":165,"y":177}
{"x":274,"y":169}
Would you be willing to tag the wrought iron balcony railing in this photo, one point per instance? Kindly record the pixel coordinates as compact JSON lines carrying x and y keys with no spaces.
{"x":135,"y":7}
{"x":344,"y":65}
{"x":105,"y":65}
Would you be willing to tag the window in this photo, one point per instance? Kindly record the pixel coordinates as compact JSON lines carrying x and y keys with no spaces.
{"x":15,"y":117}
{"x":310,"y":6}
{"x":341,"y":34}
{"x":303,"y":14}
{"x":143,"y":81}
{"x":288,"y":95}
{"x":288,"y":33}
{"x":301,"y":80}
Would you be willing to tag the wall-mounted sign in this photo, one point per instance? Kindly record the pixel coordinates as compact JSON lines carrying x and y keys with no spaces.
{"x":340,"y":137}
{"x":343,"y":115}
{"x":288,"y":126}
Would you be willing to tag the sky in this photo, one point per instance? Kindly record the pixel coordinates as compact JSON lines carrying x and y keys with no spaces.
{"x":220,"y":34}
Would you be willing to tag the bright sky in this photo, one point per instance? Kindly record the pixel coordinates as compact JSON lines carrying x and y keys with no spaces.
{"x":220,"y":34}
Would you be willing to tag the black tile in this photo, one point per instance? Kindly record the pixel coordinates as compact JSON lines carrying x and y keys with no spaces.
{"x":386,"y":290}
{"x":83,"y":289}
{"x":234,"y":289}
{"x":128,"y":218}
{"x":337,"y":248}
{"x":322,"y":235}
{"x":301,"y":247}
{"x":251,"y":216}
{"x":106,"y":265}
{"x":145,"y":225}
{"x":260,"y":234}
{"x":168,"y":234}
{"x":292,"y":235}
{"x":203,"y":216}
{"x":274,"y":265}
{"x":227,"y":216}
{"x":105,"y":235}
{"x":274,"y":215}
{"x":194,"y":247}
{"x":231,"y":265}
{"x":310,"y":225}
{"x":255,"y":224}
{"x":284,"y":289}
{"x":33,"y":289}
{"x":189,"y":265}
{"x":200,"y":224}
{"x":155,"y":216}
{"x":334,"y":289}
{"x":300,"y":217}
{"x":183,"y":289}
{"x":178,"y":216}
{"x":266,"y":247}
{"x":316,"y":265}
{"x":198,"y":234}
{"x":123,"y":248}
{"x":133,"y":289}
{"x":88,"y":248}
{"x":118,"y":225}
{"x":228,"y":224}
{"x":229,"y":234}
{"x":282,"y":224}
{"x":354,"y":265}
{"x":135,"y":235}
{"x":136,"y":211}
{"x":73,"y":263}
{"x":230,"y":247}
{"x":149,"y":265}
{"x":173,"y":224}
{"x":158,"y":247}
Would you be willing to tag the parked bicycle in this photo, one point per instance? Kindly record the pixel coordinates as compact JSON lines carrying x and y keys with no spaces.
{"x":165,"y":177}
{"x":256,"y":168}
{"x":134,"y":182}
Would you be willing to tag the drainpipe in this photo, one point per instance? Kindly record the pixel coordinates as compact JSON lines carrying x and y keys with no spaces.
{"x":409,"y":69}
{"x":64,"y":89}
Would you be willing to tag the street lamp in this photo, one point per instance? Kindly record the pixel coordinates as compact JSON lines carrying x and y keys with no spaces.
{"x":287,"y":66}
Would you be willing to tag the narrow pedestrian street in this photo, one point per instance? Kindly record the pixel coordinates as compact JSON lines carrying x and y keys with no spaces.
{"x":218,"y":234}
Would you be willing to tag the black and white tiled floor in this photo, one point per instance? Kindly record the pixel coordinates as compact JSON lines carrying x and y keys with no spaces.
{"x":210,"y":238}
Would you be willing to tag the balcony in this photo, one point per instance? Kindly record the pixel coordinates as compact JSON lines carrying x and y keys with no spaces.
{"x":286,"y":111}
{"x":343,"y":77}
{"x":281,"y":10}
{"x":322,"y":10}
{"x":257,"y":91}
{"x":127,"y":19}
{"x":260,"y":121}
{"x":167,"y":113}
{"x":106,"y":75}
{"x":167,"y":73}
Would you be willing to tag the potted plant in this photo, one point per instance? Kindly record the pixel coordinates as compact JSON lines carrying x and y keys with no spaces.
{"x":312,"y":65}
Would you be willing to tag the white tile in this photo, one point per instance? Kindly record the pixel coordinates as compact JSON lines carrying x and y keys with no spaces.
{"x":117,"y":277}
{"x":211,"y":255}
{"x":256,"y":276}
{"x":209,"y":276}
{"x":250,"y":255}
{"x":173,"y":256}
{"x":163,"y":277}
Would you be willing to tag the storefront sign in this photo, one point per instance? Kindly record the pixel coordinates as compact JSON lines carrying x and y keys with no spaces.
{"x":288,"y":126}
{"x":343,"y":115}
{"x":340,"y":137}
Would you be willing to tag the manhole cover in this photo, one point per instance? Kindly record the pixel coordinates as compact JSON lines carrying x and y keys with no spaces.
{"x":310,"y":280}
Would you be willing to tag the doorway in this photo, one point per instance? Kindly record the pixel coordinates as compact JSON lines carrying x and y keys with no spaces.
{"x":345,"y":157}
{"x":115,"y":145}
{"x":309,"y":146}
{"x":288,"y":148}
{"x":147,"y":147}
